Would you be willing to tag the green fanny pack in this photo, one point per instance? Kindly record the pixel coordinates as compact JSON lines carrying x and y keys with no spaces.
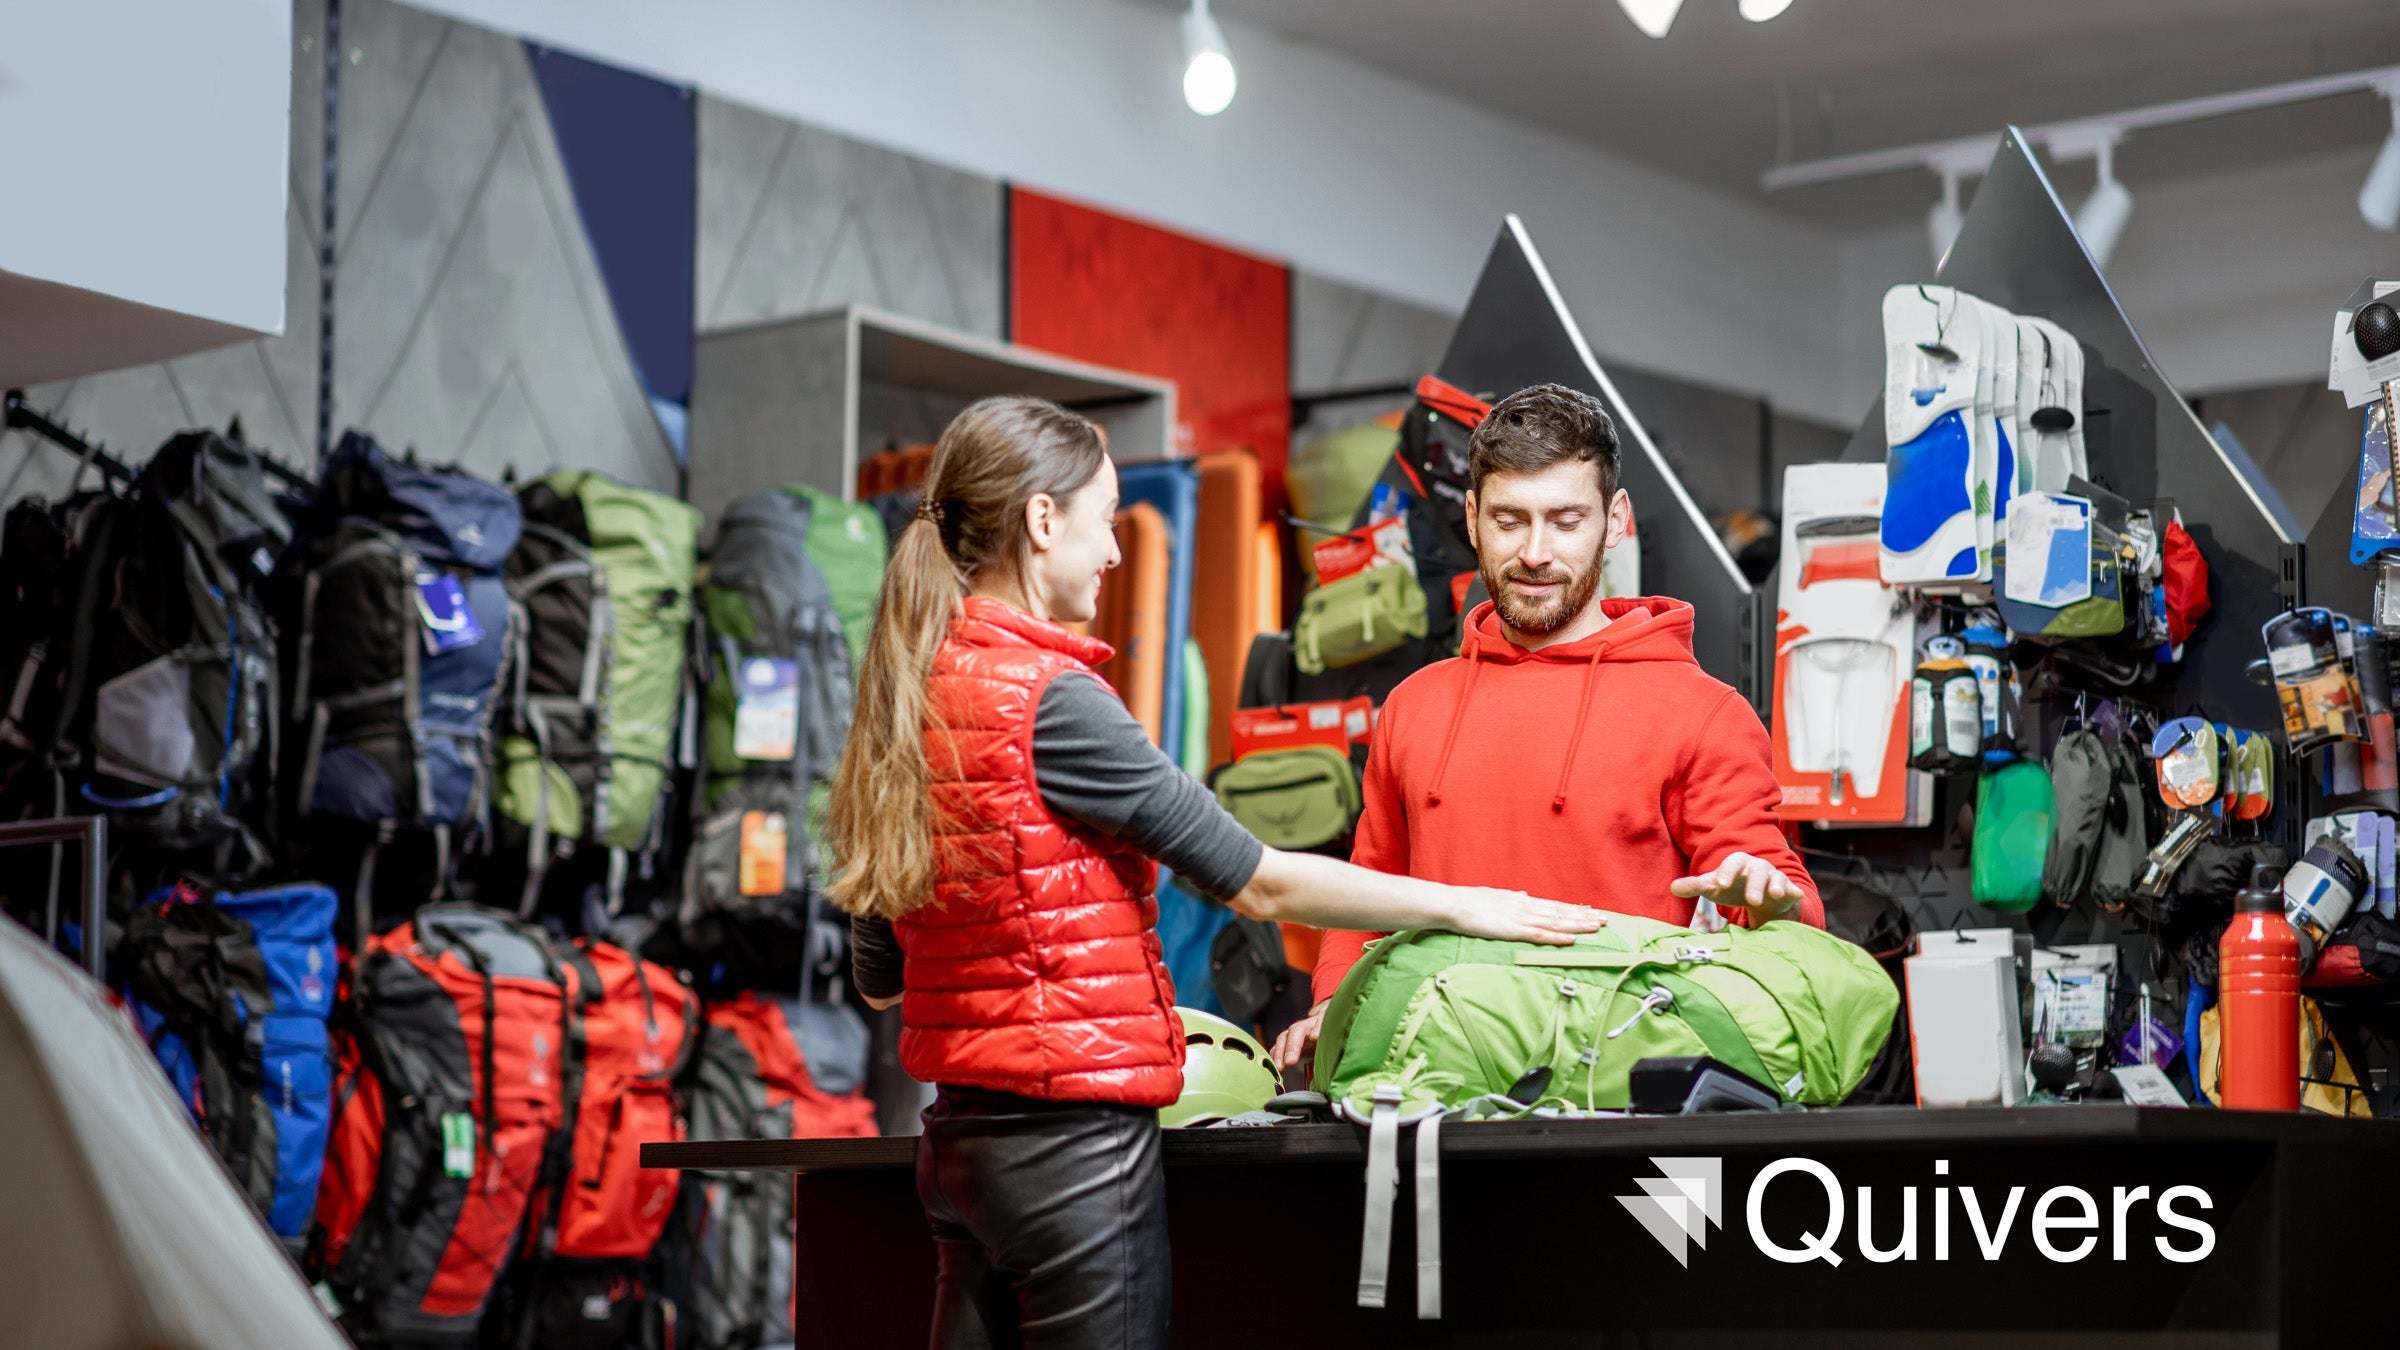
{"x":1301,"y":798}
{"x":1359,"y":617}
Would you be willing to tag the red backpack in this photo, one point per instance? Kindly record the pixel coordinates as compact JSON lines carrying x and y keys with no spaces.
{"x":584,"y":1278}
{"x":452,"y":1076}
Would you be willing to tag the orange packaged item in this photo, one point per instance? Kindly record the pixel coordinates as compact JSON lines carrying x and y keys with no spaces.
{"x":1226,"y":609}
{"x":1133,"y":616}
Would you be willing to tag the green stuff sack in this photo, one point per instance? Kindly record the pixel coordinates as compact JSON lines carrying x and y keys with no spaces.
{"x":1359,"y":617}
{"x":1301,"y":798}
{"x":1439,"y":1020}
{"x":1330,"y":479}
{"x":2014,"y":808}
{"x":2080,"y":785}
{"x":603,"y":573}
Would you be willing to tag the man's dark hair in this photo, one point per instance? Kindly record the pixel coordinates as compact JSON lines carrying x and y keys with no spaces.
{"x":1542,"y":425}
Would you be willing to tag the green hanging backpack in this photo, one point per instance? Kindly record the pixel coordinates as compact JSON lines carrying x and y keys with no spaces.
{"x":846,"y":541}
{"x":1359,"y":617}
{"x":1445,"y":1020}
{"x":1302,"y":798}
{"x":603,"y":572}
{"x":2014,"y":808}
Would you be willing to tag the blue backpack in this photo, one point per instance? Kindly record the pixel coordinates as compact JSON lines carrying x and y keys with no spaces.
{"x":234,"y":991}
{"x":403,"y":637}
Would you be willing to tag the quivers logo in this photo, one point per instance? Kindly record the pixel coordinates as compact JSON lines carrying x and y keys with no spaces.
{"x":2067,"y":1224}
{"x":1679,"y":1207}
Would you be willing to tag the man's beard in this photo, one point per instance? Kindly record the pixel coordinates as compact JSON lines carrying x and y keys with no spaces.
{"x":1544,"y":616}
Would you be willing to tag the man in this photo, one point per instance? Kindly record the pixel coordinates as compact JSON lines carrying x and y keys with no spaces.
{"x":1574,"y":749}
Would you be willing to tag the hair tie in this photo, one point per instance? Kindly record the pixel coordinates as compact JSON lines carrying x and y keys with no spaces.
{"x":929,"y":509}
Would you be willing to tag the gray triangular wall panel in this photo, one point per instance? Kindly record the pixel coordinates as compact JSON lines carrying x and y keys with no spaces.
{"x":1516,"y":332}
{"x":2018,"y":248}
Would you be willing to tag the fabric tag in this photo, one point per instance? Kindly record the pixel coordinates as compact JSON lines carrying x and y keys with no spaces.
{"x":2147,"y":1085}
{"x":766,"y":720}
{"x":449,"y":621}
{"x":762,"y":860}
{"x":458,"y":1144}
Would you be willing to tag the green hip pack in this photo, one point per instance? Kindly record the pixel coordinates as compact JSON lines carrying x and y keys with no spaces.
{"x":1359,"y":617}
{"x":1301,"y":798}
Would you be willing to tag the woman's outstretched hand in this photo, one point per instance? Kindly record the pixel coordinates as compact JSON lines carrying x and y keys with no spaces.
{"x":1514,"y":916}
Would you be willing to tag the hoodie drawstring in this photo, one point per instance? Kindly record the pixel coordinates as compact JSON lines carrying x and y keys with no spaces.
{"x":1458,"y":714}
{"x":1583,"y":709}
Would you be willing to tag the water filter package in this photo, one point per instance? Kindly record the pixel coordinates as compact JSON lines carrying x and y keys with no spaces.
{"x":2010,"y":474}
{"x":1933,"y":368}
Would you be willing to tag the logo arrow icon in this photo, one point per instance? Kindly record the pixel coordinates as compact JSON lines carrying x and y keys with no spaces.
{"x":1680,"y":1205}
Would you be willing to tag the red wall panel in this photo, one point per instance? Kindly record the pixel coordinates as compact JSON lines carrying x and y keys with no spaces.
{"x":1117,"y":292}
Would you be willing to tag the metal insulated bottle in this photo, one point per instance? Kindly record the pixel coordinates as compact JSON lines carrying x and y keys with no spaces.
{"x":2258,"y":994}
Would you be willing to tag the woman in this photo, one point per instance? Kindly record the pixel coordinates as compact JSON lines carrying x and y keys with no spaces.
{"x":996,"y":815}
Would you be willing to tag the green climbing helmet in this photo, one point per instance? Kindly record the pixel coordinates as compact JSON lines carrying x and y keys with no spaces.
{"x":1225,"y":1072}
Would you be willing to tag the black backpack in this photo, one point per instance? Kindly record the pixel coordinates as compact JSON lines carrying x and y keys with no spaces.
{"x":166,"y":703}
{"x":401,"y":638}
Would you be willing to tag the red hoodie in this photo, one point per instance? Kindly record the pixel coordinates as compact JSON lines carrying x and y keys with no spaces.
{"x":1594,"y":772}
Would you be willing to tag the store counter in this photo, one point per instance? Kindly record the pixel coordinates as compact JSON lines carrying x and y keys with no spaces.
{"x":2085,"y":1225}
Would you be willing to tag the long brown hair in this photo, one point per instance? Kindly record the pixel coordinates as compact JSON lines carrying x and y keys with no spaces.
{"x":992,"y":460}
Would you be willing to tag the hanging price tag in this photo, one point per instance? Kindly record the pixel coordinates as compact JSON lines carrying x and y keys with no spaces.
{"x":458,"y":1144}
{"x":449,"y":620}
{"x":766,"y":719}
{"x":765,"y":836}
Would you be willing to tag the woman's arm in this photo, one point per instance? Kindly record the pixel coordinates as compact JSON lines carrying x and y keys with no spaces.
{"x":1328,"y":893}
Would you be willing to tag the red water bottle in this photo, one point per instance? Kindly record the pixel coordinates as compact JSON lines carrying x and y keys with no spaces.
{"x":2258,"y":994}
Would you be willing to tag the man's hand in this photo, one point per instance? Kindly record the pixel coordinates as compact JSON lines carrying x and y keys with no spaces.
{"x":1514,"y":916}
{"x":1299,"y":1038}
{"x":1741,"y":881}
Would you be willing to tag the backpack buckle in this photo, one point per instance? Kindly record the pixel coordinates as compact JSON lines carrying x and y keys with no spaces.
{"x":1686,"y":951}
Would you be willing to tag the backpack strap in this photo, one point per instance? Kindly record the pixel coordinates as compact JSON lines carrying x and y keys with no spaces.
{"x":1383,"y":1184}
{"x":1429,"y":1216}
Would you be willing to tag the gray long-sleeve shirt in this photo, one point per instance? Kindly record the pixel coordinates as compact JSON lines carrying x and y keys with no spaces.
{"x":1094,"y":765}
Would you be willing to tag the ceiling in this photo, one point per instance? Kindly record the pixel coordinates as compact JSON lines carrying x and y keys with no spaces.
{"x":1720,"y":99}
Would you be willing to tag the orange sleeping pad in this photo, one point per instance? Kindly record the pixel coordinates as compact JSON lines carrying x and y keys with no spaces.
{"x":1225,"y":582}
{"x":1133,"y":615}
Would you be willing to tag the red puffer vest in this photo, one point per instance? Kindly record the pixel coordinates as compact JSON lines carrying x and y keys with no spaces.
{"x":1037,"y":969}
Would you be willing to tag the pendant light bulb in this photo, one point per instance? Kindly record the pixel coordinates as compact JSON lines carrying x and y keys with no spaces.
{"x":1759,"y":11}
{"x":1943,"y":221}
{"x":1208,"y":76}
{"x":2101,"y":219}
{"x":2379,"y":196}
{"x":1653,"y":17}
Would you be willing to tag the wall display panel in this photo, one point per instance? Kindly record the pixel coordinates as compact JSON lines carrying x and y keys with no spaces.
{"x":794,"y":219}
{"x":1102,"y":288}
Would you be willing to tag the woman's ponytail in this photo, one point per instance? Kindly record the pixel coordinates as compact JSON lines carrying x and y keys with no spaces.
{"x":992,"y":460}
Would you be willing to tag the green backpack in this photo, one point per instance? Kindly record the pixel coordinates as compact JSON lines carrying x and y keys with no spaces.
{"x":846,"y":541}
{"x":603,"y":573}
{"x":1430,"y":1023}
{"x":1301,"y":798}
{"x":2014,"y":807}
{"x":1359,"y":617}
{"x":1447,"y":1020}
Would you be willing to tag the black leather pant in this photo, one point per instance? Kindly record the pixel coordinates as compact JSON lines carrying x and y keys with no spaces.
{"x":1051,"y":1223}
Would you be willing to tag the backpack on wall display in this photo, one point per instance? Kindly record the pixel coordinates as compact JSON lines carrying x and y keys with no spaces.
{"x":1357,"y":618}
{"x":777,"y":704}
{"x":233,"y":991}
{"x":167,"y":695}
{"x":604,"y":574}
{"x":453,"y":1077}
{"x":730,"y":1262}
{"x":401,"y":634}
{"x":1445,"y":1019}
{"x":582,"y":1278}
{"x":846,"y":541}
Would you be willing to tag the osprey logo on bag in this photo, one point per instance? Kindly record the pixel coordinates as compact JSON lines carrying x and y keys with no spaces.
{"x":1679,"y":1206}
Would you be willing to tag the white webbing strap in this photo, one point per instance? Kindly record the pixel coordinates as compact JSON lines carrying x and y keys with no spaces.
{"x":1383,"y":1185}
{"x":1429,"y":1216}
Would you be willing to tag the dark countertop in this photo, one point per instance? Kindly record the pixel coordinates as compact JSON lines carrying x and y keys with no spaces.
{"x":1867,"y":1127}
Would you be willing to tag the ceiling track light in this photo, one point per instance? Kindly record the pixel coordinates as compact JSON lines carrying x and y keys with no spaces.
{"x":1208,"y":76}
{"x":1759,"y":11}
{"x":2101,"y":219}
{"x":1653,"y":17}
